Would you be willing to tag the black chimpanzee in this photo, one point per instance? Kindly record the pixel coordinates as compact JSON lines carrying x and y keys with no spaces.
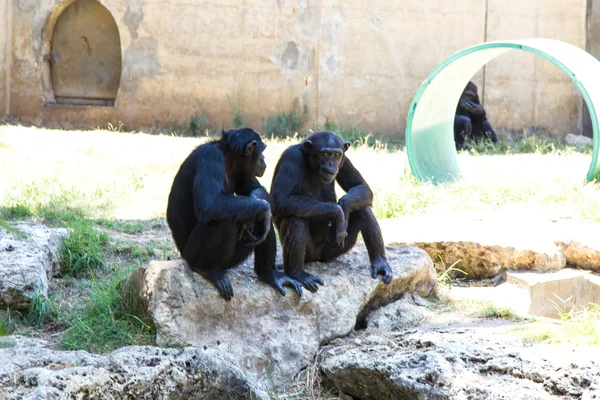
{"x":312,"y":224}
{"x":470,"y":121}
{"x":219,"y":213}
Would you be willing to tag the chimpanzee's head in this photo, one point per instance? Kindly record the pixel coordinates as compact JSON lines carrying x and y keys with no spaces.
{"x":248,"y":147}
{"x":325,"y":152}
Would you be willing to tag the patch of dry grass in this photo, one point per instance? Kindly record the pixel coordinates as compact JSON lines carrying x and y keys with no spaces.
{"x":121,"y":175}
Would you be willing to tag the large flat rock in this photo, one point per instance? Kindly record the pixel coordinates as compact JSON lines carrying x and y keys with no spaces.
{"x":270,"y":335}
{"x":26,"y":263}
{"x":481,"y":362}
{"x":485,"y":245}
{"x":31,"y":370}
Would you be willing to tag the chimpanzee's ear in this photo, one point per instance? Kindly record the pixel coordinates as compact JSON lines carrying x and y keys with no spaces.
{"x":308,"y":146}
{"x":250,"y":147}
{"x":224,"y":135}
{"x":347,"y":146}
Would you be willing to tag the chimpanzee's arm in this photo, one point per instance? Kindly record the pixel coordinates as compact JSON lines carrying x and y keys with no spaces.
{"x":475,"y":109}
{"x":287,"y":191}
{"x":358,"y":193}
{"x":211,"y":202}
{"x":253,"y":188}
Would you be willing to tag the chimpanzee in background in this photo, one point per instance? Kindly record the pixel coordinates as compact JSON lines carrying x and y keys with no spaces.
{"x":312,"y":224}
{"x":470,"y":121}
{"x":219,"y":213}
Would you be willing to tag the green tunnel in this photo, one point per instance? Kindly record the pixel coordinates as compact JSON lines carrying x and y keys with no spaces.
{"x":430,"y":124}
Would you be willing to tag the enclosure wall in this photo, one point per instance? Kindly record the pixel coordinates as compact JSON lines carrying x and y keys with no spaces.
{"x":4,"y":47}
{"x":354,"y":62}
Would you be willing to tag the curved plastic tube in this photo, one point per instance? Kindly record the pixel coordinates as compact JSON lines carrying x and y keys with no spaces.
{"x":430,"y":124}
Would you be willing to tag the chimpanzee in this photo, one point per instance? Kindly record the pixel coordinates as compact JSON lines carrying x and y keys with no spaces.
{"x":470,"y":121}
{"x":312,"y":224}
{"x":218,"y":212}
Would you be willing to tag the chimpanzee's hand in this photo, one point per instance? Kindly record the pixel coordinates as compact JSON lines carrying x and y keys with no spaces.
{"x":265,"y":220}
{"x":344,"y":207}
{"x":341,"y":228}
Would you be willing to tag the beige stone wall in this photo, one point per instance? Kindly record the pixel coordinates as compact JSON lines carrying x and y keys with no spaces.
{"x":3,"y":59}
{"x":355,"y":62}
{"x":526,"y":91}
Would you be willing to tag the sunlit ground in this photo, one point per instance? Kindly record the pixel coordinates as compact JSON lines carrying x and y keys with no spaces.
{"x":124,"y":175}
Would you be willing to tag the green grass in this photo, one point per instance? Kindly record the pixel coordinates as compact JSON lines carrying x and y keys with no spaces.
{"x":52,"y":200}
{"x":283,"y":124}
{"x":41,"y":311}
{"x":525,"y":142}
{"x":485,"y":309}
{"x":360,"y":138}
{"x":135,"y":251}
{"x":129,"y":227}
{"x":83,"y":251}
{"x":237,"y":118}
{"x":580,"y":326}
{"x":106,"y":322}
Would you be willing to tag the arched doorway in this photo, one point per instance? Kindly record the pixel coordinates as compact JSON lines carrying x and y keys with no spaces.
{"x":430,"y":123}
{"x":85,"y":55}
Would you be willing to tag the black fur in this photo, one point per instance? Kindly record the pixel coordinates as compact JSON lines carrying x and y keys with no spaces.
{"x":219,"y":213}
{"x":313,"y":225}
{"x":470,"y":121}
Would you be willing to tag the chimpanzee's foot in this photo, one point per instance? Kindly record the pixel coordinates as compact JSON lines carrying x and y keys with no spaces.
{"x":278,"y":280}
{"x":307,"y":280}
{"x":381,"y":267}
{"x":221,"y":281}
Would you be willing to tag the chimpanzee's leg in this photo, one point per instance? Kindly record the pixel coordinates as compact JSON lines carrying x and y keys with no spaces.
{"x":463,"y":129}
{"x":364,"y":221}
{"x":488,"y":131}
{"x":264,"y":265}
{"x":297,"y":248}
{"x":211,"y":249}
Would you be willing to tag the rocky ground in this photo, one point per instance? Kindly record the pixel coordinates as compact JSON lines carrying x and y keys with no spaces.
{"x":354,"y":338}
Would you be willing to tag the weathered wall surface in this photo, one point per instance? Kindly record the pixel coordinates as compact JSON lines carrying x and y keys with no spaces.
{"x":523,"y":90}
{"x":4,"y":26}
{"x":354,"y":62}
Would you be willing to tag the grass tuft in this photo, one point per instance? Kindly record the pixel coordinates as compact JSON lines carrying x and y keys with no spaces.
{"x":41,"y":311}
{"x":487,"y":309}
{"x":82,"y":252}
{"x":283,"y":124}
{"x":106,"y":322}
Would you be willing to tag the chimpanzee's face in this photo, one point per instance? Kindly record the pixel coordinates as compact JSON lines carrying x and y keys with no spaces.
{"x":326,"y":154}
{"x":329,"y":161}
{"x":254,"y":158}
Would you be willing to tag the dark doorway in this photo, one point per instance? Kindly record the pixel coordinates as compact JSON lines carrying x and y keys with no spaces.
{"x":85,"y":60}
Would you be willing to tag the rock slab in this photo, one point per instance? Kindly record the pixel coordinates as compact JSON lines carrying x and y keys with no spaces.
{"x":268,"y":334}
{"x":485,"y":246}
{"x":561,"y":290}
{"x":27,"y":263}
{"x":474,"y":363}
{"x":32,"y":371}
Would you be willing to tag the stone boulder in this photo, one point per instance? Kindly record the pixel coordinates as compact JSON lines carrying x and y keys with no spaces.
{"x":482,"y":248}
{"x":466,"y":363}
{"x":268,"y":334}
{"x":27,"y":262}
{"x":30,"y":370}
{"x":409,"y":311}
{"x":580,"y":142}
{"x":579,"y":243}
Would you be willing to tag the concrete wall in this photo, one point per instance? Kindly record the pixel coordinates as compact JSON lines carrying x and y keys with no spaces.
{"x":354,"y":62}
{"x":4,"y":28}
{"x":523,"y":90}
